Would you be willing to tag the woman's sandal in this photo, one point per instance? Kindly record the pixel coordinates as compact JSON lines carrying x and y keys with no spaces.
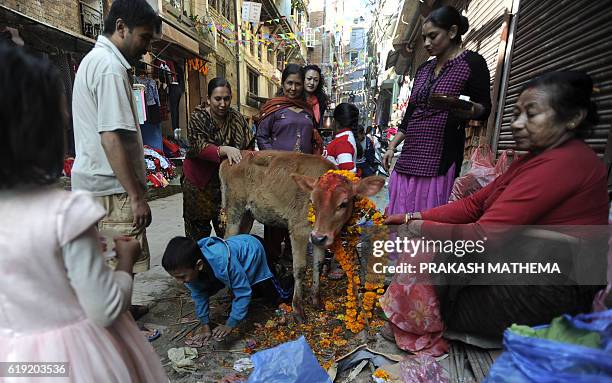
{"x":149,"y":333}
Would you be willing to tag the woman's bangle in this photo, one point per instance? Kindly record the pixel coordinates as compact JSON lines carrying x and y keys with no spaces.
{"x":408,"y":217}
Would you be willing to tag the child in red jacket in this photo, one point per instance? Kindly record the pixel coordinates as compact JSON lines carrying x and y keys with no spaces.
{"x":343,"y":151}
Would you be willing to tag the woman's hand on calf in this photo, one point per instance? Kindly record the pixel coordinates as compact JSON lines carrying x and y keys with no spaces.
{"x":232,"y":154}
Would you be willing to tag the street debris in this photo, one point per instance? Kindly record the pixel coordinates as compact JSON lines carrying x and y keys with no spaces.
{"x":243,"y":364}
{"x":183,"y":359}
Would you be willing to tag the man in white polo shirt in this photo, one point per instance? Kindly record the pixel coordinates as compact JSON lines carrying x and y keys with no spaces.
{"x":109,"y":152}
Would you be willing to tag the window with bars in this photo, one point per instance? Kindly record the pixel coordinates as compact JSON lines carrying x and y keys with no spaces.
{"x":253,"y":82}
{"x":309,"y":36}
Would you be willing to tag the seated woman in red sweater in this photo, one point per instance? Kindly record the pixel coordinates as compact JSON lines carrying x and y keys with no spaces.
{"x":343,"y":151}
{"x":560,"y":181}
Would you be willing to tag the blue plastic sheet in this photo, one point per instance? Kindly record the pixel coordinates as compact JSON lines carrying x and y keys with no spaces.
{"x":291,"y":362}
{"x":527,"y":359}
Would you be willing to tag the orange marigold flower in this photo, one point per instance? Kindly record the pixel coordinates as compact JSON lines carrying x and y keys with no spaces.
{"x":381,"y":374}
{"x":369,"y":295}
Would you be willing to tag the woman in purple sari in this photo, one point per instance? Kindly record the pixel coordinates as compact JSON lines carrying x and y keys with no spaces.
{"x":433,"y":134}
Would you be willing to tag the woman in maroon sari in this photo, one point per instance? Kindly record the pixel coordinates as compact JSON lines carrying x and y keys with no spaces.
{"x":559,"y":182}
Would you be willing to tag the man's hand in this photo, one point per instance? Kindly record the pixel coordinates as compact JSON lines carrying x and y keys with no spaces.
{"x":233,"y":155}
{"x":221,"y":331}
{"x":142,"y":213}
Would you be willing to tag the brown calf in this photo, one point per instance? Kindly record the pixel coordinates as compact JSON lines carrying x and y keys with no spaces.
{"x":260,"y":187}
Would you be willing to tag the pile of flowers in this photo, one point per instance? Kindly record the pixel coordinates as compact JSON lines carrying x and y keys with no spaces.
{"x":324,"y":330}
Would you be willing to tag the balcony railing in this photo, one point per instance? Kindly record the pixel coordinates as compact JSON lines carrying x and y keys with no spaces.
{"x":92,"y":21}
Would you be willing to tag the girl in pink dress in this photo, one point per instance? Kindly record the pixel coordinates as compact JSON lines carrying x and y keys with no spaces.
{"x":59,"y":302}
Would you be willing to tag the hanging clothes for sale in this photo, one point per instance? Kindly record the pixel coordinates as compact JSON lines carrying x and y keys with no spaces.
{"x":177,"y":88}
{"x":171,"y":78}
{"x":138,"y":92}
{"x":151,"y":128}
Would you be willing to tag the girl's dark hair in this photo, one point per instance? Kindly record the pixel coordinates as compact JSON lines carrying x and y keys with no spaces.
{"x":447,"y":16}
{"x":33,"y":116}
{"x":134,"y":13}
{"x":288,"y":71}
{"x":218,"y":82}
{"x":181,"y":253}
{"x":569,"y":92}
{"x":320,"y":91}
{"x":347,"y":116}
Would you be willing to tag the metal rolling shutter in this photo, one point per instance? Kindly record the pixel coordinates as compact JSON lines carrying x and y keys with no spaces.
{"x":486,"y":18}
{"x":558,"y":35}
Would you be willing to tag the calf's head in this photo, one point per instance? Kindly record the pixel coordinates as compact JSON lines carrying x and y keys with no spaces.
{"x":332,"y":198}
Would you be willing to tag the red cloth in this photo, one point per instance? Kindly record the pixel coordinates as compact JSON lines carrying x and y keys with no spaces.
{"x":313,"y":102}
{"x":566,"y":185}
{"x":68,"y":163}
{"x":170,"y":148}
{"x":342,"y":149}
{"x":199,"y":170}
{"x":282,"y":102}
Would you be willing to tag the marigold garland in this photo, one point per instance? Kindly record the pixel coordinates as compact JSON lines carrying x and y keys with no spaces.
{"x":344,"y":249}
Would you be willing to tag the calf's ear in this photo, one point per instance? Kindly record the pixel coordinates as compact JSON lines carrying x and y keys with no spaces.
{"x":305,"y":183}
{"x":370,"y":185}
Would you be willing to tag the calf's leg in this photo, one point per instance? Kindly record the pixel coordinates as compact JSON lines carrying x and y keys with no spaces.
{"x":235,"y":215}
{"x":299,"y":241}
{"x":318,"y":254}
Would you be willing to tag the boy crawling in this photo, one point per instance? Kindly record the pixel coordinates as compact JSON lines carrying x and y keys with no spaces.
{"x":212,"y":263}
